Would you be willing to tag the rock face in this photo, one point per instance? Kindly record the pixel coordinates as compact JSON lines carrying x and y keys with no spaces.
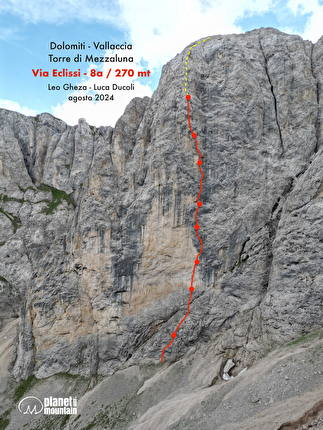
{"x":97,"y":224}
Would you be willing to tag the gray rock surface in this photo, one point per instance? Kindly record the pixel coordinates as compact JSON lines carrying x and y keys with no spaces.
{"x":97,"y":224}
{"x":286,"y":386}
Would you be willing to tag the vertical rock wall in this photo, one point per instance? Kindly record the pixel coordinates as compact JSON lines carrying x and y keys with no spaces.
{"x":97,"y":224}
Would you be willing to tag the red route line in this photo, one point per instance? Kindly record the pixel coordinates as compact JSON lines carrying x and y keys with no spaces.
{"x":199,"y":204}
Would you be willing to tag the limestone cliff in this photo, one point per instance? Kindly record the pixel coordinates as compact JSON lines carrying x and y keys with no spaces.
{"x":97,"y":224}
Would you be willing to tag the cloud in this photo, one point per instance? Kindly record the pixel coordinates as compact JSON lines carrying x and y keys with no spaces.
{"x":103,"y":112}
{"x":159,"y":29}
{"x":169,"y":26}
{"x":7,"y":33}
{"x":15,"y":106}
{"x":158,"y":33}
{"x":313,"y":28}
{"x":300,"y":6}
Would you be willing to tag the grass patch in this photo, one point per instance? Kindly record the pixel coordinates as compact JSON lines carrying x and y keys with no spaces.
{"x":68,"y":375}
{"x":93,"y":130}
{"x":89,"y":426}
{"x":23,"y":387}
{"x":15,"y":221}
{"x":57,"y":198}
{"x":304,"y":338}
{"x":64,"y":421}
{"x":51,"y":423}
{"x":244,"y":260}
{"x":115,"y":415}
{"x":238,"y":264}
{"x":4,"y":420}
{"x":5,"y":198}
{"x":23,"y":190}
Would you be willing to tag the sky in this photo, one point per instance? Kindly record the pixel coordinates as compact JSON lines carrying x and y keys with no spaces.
{"x":155,"y":30}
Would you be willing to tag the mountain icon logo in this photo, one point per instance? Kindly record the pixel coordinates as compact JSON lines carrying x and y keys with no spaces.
{"x":30,"y":405}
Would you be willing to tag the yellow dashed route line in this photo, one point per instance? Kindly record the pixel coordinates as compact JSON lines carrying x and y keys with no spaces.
{"x":186,"y":59}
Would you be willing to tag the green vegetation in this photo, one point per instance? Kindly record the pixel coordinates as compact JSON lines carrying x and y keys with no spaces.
{"x":93,"y":130}
{"x":64,"y":421}
{"x":23,"y":387}
{"x":52,"y":423}
{"x":5,"y":198}
{"x":18,"y":390}
{"x":4,"y":420}
{"x":57,"y":197}
{"x":23,"y":190}
{"x":89,"y":426}
{"x":68,"y":375}
{"x":305,"y":338}
{"x":240,"y":261}
{"x":2,"y":243}
{"x":116,"y":415}
{"x":37,"y":118}
{"x":14,"y":220}
{"x":3,"y":279}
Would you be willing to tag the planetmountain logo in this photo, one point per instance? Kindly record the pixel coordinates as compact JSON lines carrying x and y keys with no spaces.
{"x":30,"y":405}
{"x":51,"y":406}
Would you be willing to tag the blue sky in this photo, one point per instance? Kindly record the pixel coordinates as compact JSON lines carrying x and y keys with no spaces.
{"x":28,"y":26}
